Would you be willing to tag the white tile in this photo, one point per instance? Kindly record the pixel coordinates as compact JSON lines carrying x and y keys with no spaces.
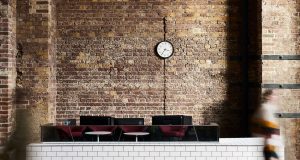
{"x":216,"y":154}
{"x":196,"y":154}
{"x":98,"y":158}
{"x":257,"y":154}
{"x":225,"y":158}
{"x":113,"y":154}
{"x":77,"y":148}
{"x":102,"y":154}
{"x":260,"y":148}
{"x":118,"y":148}
{"x":138,"y":158}
{"x":232,"y":148}
{"x":87,"y":148}
{"x":169,"y":158}
{"x":77,"y":158}
{"x":169,"y":148}
{"x":179,"y":158}
{"x":41,"y":154}
{"x":191,"y":158}
{"x":82,"y":154}
{"x":92,"y":154}
{"x":66,"y":148}
{"x":242,"y":148}
{"x":36,"y":158}
{"x":61,"y":154}
{"x":227,"y":154}
{"x":164,"y":154}
{"x":159,"y":158}
{"x":200,"y":148}
{"x":237,"y":154}
{"x":149,"y":158}
{"x":252,"y":148}
{"x":251,"y":158}
{"x":221,"y":148}
{"x":175,"y":154}
{"x":144,"y":154}
{"x":211,"y":158}
{"x":185,"y":154}
{"x":138,"y":148}
{"x":134,"y":154}
{"x":118,"y":158}
{"x":149,"y":148}
{"x":43,"y":149}
{"x":86,"y":158}
{"x":154,"y":154}
{"x":51,"y":154}
{"x":72,"y":154}
{"x":107,"y":148}
{"x":180,"y":148}
{"x":56,"y":158}
{"x":123,"y":154}
{"x":261,"y":158}
{"x":36,"y":149}
{"x":211,"y":148}
{"x":159,"y":148}
{"x":128,"y":148}
{"x":128,"y":158}
{"x":67,"y":158}
{"x":247,"y":154}
{"x":108,"y":158}
{"x":46,"y":158}
{"x":206,"y":154}
{"x":57,"y":149}
{"x":190,"y":148}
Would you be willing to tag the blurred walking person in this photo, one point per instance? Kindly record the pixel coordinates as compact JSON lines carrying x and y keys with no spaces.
{"x":265,"y":124}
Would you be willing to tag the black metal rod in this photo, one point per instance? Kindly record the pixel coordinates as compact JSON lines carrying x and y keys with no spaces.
{"x":264,"y":57}
{"x":281,"y":86}
{"x":165,"y":96}
{"x":165,"y":27}
{"x":288,"y":115}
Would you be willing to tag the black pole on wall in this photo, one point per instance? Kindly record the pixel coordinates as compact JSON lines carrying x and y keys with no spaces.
{"x":165,"y":96}
{"x":245,"y":66}
{"x":165,"y":87}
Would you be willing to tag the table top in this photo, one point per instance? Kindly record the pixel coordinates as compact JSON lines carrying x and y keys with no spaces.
{"x":137,"y":133}
{"x":98,"y":132}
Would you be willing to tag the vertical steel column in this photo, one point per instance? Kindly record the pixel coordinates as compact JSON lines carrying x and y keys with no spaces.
{"x":244,"y":55}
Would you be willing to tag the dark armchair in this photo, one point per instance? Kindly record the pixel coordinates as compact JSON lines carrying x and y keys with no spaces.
{"x":174,"y":131}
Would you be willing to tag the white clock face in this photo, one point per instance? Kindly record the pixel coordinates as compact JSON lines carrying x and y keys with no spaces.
{"x":164,"y":49}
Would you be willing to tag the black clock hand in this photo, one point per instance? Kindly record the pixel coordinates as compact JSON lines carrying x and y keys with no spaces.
{"x":163,"y":52}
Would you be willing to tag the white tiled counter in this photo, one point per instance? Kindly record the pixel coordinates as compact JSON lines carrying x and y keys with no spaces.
{"x":226,"y":149}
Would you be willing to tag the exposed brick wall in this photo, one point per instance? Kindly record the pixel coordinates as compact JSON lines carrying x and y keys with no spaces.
{"x":280,"y":36}
{"x":4,"y":74}
{"x":7,"y":67}
{"x":106,"y":64}
{"x":34,"y":88}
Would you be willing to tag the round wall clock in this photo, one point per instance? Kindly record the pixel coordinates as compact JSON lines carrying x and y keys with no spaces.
{"x":164,"y":49}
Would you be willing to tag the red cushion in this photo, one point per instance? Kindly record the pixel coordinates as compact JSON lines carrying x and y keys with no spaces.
{"x":176,"y":131}
{"x":102,"y":128}
{"x":133,"y":128}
